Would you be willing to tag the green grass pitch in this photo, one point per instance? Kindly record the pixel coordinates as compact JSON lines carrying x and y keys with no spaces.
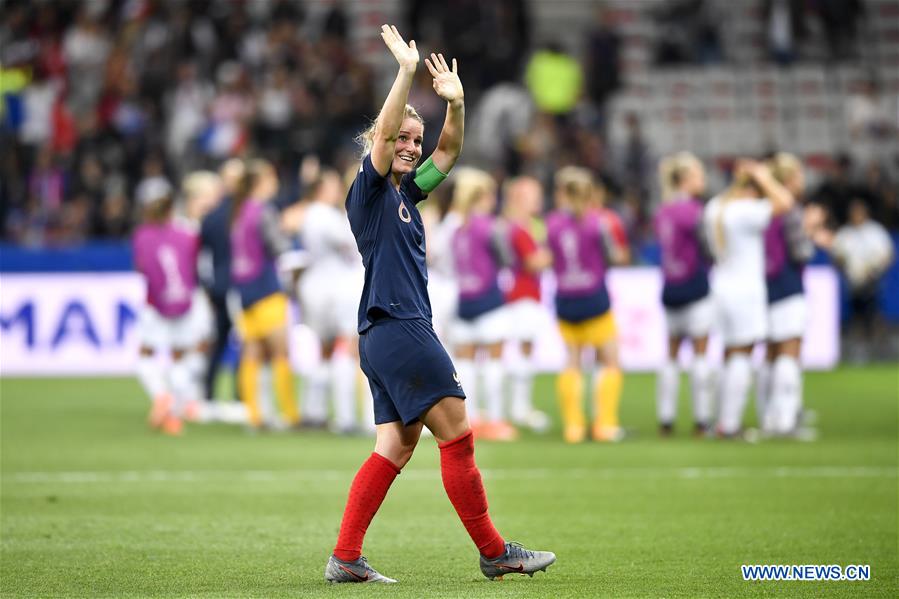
{"x":95,"y":505}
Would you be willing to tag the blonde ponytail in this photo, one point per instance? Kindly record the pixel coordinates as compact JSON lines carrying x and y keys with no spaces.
{"x":672,"y":170}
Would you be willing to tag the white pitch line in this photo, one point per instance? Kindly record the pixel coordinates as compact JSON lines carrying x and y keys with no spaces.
{"x":687,"y":473}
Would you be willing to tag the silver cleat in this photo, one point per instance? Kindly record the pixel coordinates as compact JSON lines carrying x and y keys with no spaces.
{"x":356,"y":571}
{"x":517,"y":560}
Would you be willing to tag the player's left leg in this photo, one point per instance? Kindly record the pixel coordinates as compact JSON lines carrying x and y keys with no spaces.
{"x":734,"y":389}
{"x":464,"y":487}
{"x":609,"y":381}
{"x":497,"y":428}
{"x":282,"y":373}
{"x":701,"y":386}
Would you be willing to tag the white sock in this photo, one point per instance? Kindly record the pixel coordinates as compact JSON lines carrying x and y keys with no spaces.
{"x":368,"y":408}
{"x":701,"y":386}
{"x":196,"y":365}
{"x":494,"y":372}
{"x":151,"y":376}
{"x":343,"y":386}
{"x":735,"y":387}
{"x":267,"y":409}
{"x":763,"y":393}
{"x":786,"y":393}
{"x":467,"y":375}
{"x":183,"y":387}
{"x":667,"y":385}
{"x":315,"y":404}
{"x":521,"y":376}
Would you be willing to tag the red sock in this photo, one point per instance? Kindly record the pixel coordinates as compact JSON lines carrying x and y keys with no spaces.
{"x":463,"y":485}
{"x":366,"y":494}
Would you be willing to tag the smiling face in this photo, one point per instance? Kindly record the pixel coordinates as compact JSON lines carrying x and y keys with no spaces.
{"x":407,"y":152}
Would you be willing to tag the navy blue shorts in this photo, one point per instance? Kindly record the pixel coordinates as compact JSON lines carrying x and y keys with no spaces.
{"x":407,"y":368}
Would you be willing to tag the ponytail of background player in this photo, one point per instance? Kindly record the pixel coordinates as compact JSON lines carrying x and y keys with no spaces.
{"x":787,"y":249}
{"x":735,"y":224}
{"x":689,"y":310}
{"x":256,"y":243}
{"x":412,"y":378}
{"x":481,"y":324}
{"x":165,"y":253}
{"x":584,"y":245}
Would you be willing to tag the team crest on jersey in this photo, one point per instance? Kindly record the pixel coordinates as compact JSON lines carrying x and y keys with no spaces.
{"x":456,"y":378}
{"x":404,"y":213}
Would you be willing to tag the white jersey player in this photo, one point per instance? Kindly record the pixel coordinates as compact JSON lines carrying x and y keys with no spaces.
{"x":735,"y":224}
{"x":329,"y":292}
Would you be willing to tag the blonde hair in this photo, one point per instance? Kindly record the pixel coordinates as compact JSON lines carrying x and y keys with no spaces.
{"x":783,"y":166}
{"x":366,"y":139}
{"x":671,"y":172}
{"x":577,"y":185}
{"x":198,"y":183}
{"x":471,"y":184}
{"x":735,"y":191}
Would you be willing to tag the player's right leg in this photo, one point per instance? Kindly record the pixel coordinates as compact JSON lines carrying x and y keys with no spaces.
{"x":394,"y":446}
{"x":570,"y":384}
{"x":154,"y":334}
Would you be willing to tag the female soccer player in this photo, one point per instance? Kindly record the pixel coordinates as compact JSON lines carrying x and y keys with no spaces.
{"x":787,"y":249}
{"x":522,"y":204}
{"x":329,"y":293}
{"x":481,"y":323}
{"x":583,"y":247}
{"x":689,"y":310}
{"x":411,"y":375}
{"x":256,"y":242}
{"x":735,"y":224}
{"x":165,"y":253}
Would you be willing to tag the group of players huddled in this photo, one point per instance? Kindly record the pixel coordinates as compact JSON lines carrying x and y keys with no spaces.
{"x":225,"y":252}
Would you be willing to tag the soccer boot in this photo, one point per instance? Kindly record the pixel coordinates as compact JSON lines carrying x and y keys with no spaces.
{"x":574,"y":433}
{"x":607,"y":434}
{"x":162,"y":405}
{"x":517,"y":560}
{"x":355,"y":571}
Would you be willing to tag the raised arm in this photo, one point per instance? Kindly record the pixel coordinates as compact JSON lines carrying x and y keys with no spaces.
{"x":391,"y":116}
{"x":449,"y":87}
{"x":780,"y":197}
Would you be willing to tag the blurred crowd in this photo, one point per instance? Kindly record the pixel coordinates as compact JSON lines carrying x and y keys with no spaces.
{"x":101,"y":94}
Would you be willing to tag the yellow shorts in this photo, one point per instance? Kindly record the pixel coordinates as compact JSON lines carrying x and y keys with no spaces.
{"x":595,"y":332}
{"x":264,"y":317}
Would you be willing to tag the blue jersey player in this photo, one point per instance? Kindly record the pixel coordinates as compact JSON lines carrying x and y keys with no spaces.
{"x":411,"y":376}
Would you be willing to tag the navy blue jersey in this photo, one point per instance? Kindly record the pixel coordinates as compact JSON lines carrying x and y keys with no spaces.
{"x":215,"y":237}
{"x":390,"y":236}
{"x":675,"y":295}
{"x":785,"y":283}
{"x":580,"y":308}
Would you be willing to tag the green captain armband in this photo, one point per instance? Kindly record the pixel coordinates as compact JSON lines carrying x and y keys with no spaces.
{"x":428,"y":176}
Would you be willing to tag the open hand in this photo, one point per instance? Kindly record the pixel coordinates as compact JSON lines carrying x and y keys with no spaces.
{"x":446,"y":81}
{"x":406,"y":54}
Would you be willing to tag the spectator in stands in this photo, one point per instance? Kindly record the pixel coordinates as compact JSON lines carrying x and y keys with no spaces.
{"x":873,"y":120}
{"x":601,"y":60}
{"x":555,"y":79}
{"x":840,"y":19}
{"x":785,"y":28}
{"x":688,"y":33}
{"x":885,"y":194}
{"x":864,"y":251}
